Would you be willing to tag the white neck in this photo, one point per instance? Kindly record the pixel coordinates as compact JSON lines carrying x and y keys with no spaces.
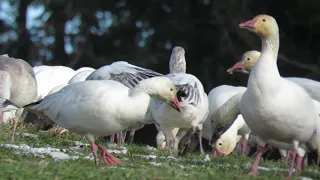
{"x":136,"y":108}
{"x":265,"y":75}
{"x":270,"y":45}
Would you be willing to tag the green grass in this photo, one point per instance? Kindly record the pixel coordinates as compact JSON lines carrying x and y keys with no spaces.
{"x":16,"y":165}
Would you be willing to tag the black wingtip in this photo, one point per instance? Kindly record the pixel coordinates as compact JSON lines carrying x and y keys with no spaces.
{"x":7,"y":102}
{"x":32,"y":104}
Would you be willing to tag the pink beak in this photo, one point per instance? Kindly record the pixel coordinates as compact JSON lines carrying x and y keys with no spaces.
{"x":217,"y":153}
{"x":237,"y":67}
{"x":248,"y":24}
{"x":160,"y":146}
{"x":175,"y":104}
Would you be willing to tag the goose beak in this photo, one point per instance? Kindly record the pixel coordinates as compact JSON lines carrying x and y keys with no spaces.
{"x":237,"y":67}
{"x":175,"y":104}
{"x":248,"y":24}
{"x":217,"y":153}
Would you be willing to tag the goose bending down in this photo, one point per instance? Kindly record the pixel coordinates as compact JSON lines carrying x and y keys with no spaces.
{"x":270,"y":100}
{"x":129,"y":75}
{"x":193,"y":100}
{"x":18,"y":87}
{"x":102,"y":108}
{"x":223,"y":101}
{"x":161,"y":139}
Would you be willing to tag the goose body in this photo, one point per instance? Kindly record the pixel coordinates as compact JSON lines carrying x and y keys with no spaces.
{"x":18,"y":87}
{"x":270,"y":102}
{"x":104,"y":107}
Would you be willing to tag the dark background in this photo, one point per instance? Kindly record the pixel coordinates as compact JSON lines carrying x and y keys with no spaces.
{"x":144,"y":32}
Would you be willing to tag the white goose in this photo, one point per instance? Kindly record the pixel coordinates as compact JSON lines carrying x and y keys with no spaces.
{"x":270,"y":100}
{"x":129,"y":75}
{"x":101,"y":108}
{"x":18,"y":87}
{"x":217,"y":97}
{"x":193,"y":100}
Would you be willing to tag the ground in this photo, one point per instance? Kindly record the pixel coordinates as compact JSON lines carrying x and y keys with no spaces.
{"x":38,"y":155}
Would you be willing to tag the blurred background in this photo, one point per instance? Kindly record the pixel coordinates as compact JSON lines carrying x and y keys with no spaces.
{"x":95,"y":33}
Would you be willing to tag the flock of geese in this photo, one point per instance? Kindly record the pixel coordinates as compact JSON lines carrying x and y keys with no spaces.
{"x":118,"y":98}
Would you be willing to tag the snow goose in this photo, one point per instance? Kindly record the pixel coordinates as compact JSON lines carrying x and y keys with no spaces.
{"x":18,"y":86}
{"x":223,"y":101}
{"x":161,"y":139}
{"x":270,"y":100}
{"x":102,"y":108}
{"x":193,"y":100}
{"x":129,"y":75}
{"x":250,"y":58}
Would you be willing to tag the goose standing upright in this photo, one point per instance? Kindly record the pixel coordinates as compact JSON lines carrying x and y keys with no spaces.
{"x":101,"y":108}
{"x":18,"y":86}
{"x":193,"y":100}
{"x":270,"y":101}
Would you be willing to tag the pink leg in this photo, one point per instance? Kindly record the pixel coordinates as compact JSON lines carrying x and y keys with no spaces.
{"x":112,"y":139}
{"x":1,"y":118}
{"x":299,"y":164}
{"x":254,"y":169}
{"x":243,"y":147}
{"x":108,"y":159}
{"x":292,"y":158}
{"x":94,"y":152}
{"x":15,"y":123}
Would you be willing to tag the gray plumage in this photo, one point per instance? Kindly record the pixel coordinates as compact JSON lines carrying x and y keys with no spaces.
{"x":123,"y":72}
{"x":224,"y":116}
{"x":18,"y":86}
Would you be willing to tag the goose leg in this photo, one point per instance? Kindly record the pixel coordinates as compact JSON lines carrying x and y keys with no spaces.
{"x":15,"y":123}
{"x":299,"y":164}
{"x":169,"y":138}
{"x":254,"y":168}
{"x":112,"y":139}
{"x":119,"y":139}
{"x":131,"y":136}
{"x":93,"y":148}
{"x":200,"y":127}
{"x":243,"y":147}
{"x":108,"y":159}
{"x":292,"y":158}
{"x":124,"y":133}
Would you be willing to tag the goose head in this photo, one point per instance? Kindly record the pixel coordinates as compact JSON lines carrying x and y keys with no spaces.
{"x":248,"y":60}
{"x":263,"y":25}
{"x":162,"y":88}
{"x":225,"y":144}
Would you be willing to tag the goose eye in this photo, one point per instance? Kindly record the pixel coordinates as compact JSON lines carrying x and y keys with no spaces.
{"x":220,"y":144}
{"x":264,"y":20}
{"x":248,"y":59}
{"x":171,"y":89}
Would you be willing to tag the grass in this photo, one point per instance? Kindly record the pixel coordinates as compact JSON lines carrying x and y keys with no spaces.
{"x":136,"y":164}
